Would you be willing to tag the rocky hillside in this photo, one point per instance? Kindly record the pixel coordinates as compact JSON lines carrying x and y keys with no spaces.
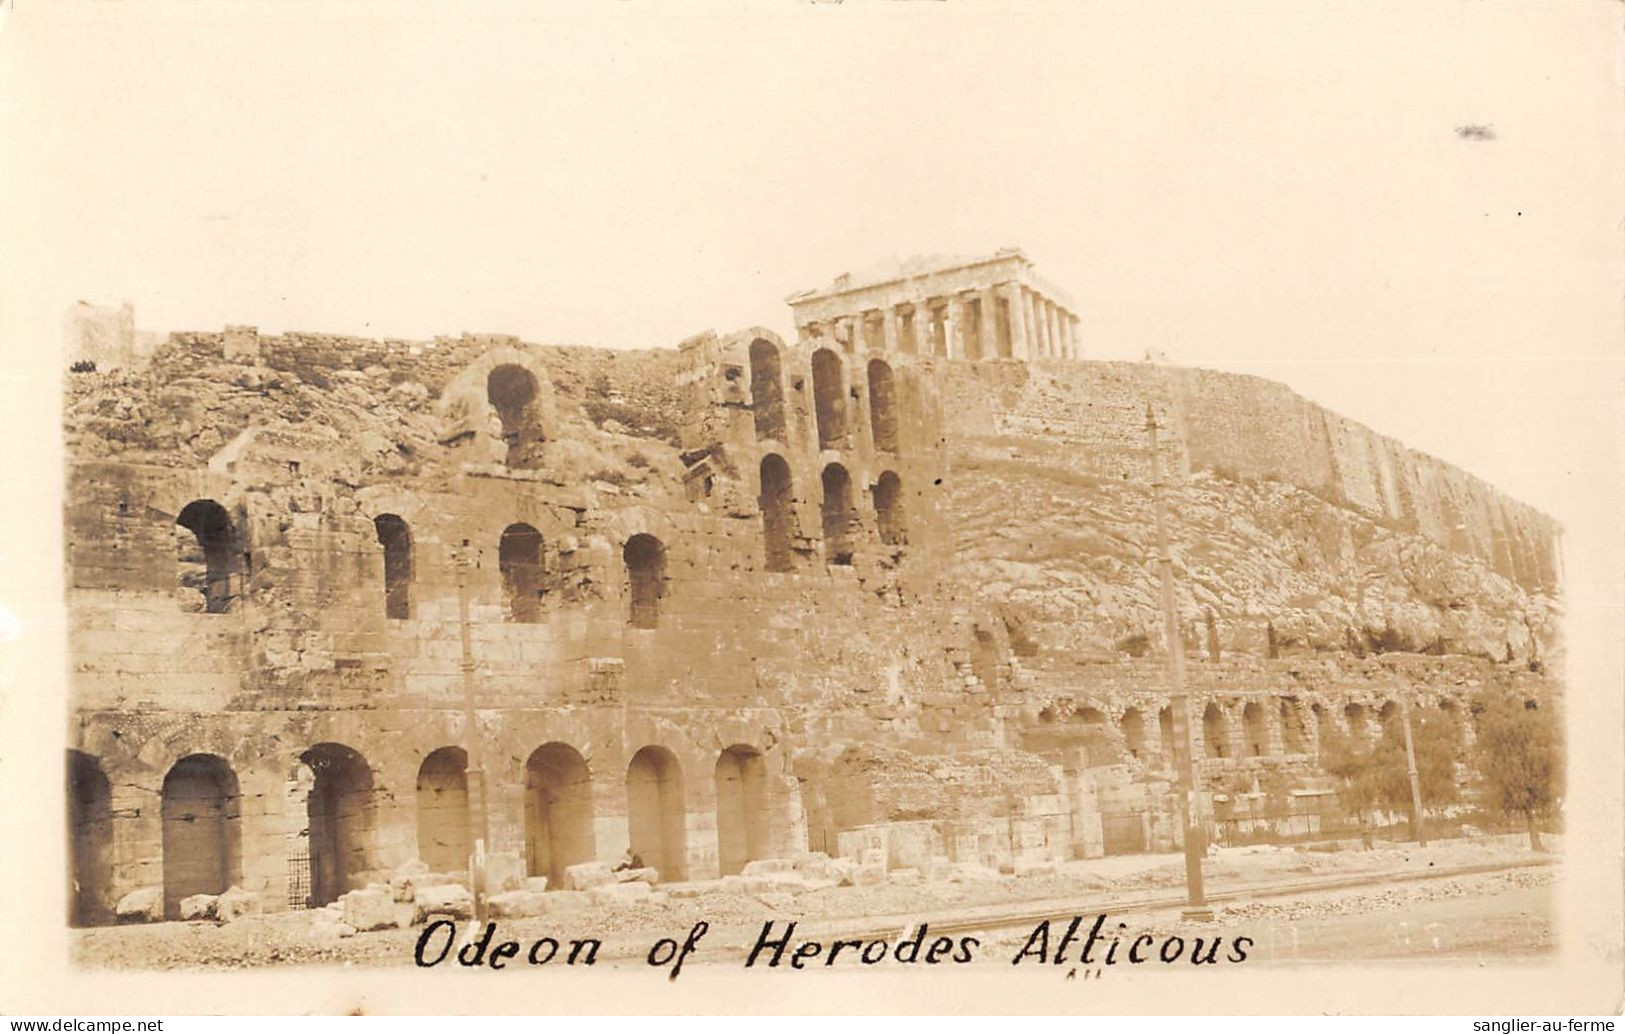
{"x":1064,"y":548}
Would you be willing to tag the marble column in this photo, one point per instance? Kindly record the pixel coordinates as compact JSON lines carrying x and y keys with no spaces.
{"x":955,"y":328}
{"x":989,"y":297}
{"x":1011,"y":293}
{"x":1077,"y":338}
{"x":888,"y":321}
{"x":1054,"y":329}
{"x":1046,"y":346}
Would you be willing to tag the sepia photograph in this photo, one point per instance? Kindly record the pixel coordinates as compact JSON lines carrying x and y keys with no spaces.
{"x":823,"y":507}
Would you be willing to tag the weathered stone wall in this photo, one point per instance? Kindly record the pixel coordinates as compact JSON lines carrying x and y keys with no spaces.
{"x":232,"y":596}
{"x":1246,"y":427}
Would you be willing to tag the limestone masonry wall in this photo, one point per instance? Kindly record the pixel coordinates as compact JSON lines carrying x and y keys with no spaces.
{"x":331,"y":600}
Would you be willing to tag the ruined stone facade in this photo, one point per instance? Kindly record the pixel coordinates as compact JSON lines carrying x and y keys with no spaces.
{"x":736,"y":600}
{"x":996,"y":307}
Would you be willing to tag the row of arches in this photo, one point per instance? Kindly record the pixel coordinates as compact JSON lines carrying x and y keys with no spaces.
{"x":837,"y":513}
{"x":770,"y":410}
{"x":520,"y":562}
{"x":1261,"y":728}
{"x":338,"y":848}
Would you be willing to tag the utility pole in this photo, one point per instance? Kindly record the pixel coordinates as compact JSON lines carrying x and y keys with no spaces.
{"x":1190,"y":782}
{"x":474,"y":773}
{"x":1416,"y":786}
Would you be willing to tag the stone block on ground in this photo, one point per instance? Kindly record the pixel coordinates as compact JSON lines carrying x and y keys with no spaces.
{"x":768,"y":866}
{"x":504,"y":871}
{"x":643,"y":875}
{"x":1034,"y":867}
{"x":904,"y":876}
{"x":869,"y":876}
{"x":587,"y":875}
{"x":536,"y":884}
{"x":236,"y":903}
{"x":815,"y":865}
{"x":142,"y":905}
{"x":371,"y":908}
{"x":841,"y":870}
{"x":517,"y":904}
{"x":620,"y":893}
{"x":451,"y":899}
{"x":874,"y":856}
{"x":199,"y":906}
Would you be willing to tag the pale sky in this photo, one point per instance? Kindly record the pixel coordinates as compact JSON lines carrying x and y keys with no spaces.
{"x":1278,"y":189}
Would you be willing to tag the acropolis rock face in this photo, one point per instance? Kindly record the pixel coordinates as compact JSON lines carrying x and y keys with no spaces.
{"x":737,"y":600}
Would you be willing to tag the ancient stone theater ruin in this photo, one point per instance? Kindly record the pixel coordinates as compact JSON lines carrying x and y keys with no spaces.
{"x":888,"y":587}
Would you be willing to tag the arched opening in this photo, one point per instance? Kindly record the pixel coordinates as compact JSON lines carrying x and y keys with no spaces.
{"x":1255,"y":729}
{"x":443,"y":840}
{"x":1165,"y":729}
{"x":90,"y":841}
{"x":1213,"y":731}
{"x":396,"y":538}
{"x":1387,"y":713}
{"x":1293,"y":739}
{"x":889,"y":515}
{"x":210,"y":558}
{"x":767,"y":390}
{"x":778,"y":518}
{"x":519,"y":556}
{"x":1324,"y":729}
{"x":645,"y":561}
{"x":741,"y":808}
{"x":828,"y":404}
{"x":837,"y":515}
{"x":511,"y":390}
{"x":1354,"y":715}
{"x":202,"y":838}
{"x":340,"y":812}
{"x":1133,"y":725}
{"x":656,"y":818}
{"x":882,"y":405}
{"x":558,"y":812}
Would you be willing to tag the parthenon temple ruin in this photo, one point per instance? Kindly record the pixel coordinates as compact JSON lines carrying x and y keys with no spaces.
{"x":873,"y":596}
{"x":996,"y":307}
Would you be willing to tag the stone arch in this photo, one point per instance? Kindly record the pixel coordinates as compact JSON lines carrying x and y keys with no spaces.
{"x":342,"y":817}
{"x":90,"y":841}
{"x":444,"y":843}
{"x":829,"y":399}
{"x":1213,"y":731}
{"x":1255,"y":729}
{"x":778,"y":514}
{"x":1355,"y":715}
{"x":1294,"y":739}
{"x":1388,"y":712}
{"x":512,"y":392}
{"x":645,"y":559}
{"x":1324,"y":727}
{"x":1133,"y":725}
{"x":767,"y":391}
{"x":741,"y":785}
{"x":519,"y":558}
{"x":889,"y":512}
{"x":211,"y":559}
{"x":504,"y":416}
{"x":657,"y":817}
{"x":883,"y":405}
{"x":836,"y":512}
{"x":558,"y":812}
{"x":201,"y":810}
{"x":395,"y":536}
